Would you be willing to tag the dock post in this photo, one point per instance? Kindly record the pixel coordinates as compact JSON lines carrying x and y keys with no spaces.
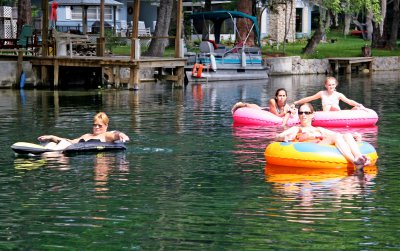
{"x":180,"y":72}
{"x":19,"y":67}
{"x":370,"y":67}
{"x":44,"y":75}
{"x":56,"y":73}
{"x":348,"y":68}
{"x":117,"y":78}
{"x":134,"y":78}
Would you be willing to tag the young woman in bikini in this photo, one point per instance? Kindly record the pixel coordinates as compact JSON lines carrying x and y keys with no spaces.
{"x":346,"y":143}
{"x":276,"y":105}
{"x":330,"y":97}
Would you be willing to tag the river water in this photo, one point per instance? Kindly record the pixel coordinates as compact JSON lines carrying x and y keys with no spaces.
{"x":190,"y":179}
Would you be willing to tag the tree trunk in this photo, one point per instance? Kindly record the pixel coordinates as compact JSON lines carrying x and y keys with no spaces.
{"x":319,"y":34}
{"x":347,"y":21}
{"x":370,"y":27}
{"x":207,"y":24}
{"x":157,"y":45}
{"x":243,"y":24}
{"x":392,"y":43}
{"x":24,"y":14}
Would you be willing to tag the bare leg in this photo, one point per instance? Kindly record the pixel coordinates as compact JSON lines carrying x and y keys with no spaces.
{"x":241,"y":104}
{"x":350,"y":150}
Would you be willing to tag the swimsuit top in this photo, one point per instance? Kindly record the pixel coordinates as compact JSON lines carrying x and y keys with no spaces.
{"x":330,"y":100}
{"x":90,"y":140}
{"x":311,"y":137}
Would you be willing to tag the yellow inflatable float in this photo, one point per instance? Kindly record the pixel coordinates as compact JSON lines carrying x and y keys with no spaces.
{"x":289,"y":174}
{"x":312,"y":155}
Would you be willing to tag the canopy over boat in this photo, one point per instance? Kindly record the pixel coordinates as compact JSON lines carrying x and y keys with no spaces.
{"x":219,"y":16}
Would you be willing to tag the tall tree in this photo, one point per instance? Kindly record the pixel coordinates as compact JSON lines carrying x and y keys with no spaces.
{"x":243,"y":24}
{"x":392,"y":43}
{"x":160,"y":40}
{"x":24,"y":14}
{"x":205,"y":34}
{"x":388,"y":38}
{"x":329,"y":7}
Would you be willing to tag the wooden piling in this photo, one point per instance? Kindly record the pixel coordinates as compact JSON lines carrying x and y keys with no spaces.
{"x":20,"y":60}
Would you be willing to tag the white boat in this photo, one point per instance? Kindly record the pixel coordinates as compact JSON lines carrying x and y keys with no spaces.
{"x":215,"y":62}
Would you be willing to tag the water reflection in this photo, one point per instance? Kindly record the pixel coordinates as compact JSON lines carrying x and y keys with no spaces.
{"x":49,"y":159}
{"x":308,"y":189}
{"x":104,"y":165}
{"x":251,"y":140}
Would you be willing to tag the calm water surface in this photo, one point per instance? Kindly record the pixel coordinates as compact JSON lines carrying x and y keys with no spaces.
{"x":190,"y":180}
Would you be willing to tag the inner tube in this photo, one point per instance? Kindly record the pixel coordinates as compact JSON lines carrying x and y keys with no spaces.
{"x":88,"y":146}
{"x":344,"y":118}
{"x":94,"y":146}
{"x":313,"y":155}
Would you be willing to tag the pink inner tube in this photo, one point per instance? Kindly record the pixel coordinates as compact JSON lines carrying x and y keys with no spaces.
{"x":343,"y":118}
{"x":252,"y":116}
{"x":346,"y":118}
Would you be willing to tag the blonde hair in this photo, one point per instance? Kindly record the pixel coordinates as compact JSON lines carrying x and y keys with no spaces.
{"x":331,"y":79}
{"x":102,"y":117}
{"x":309,"y":106}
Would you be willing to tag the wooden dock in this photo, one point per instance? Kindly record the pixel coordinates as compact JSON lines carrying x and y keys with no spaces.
{"x":349,"y":63}
{"x":175,"y":66}
{"x":47,"y":68}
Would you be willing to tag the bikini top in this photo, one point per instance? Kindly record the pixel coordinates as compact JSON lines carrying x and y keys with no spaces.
{"x":309,"y":137}
{"x":330,"y":100}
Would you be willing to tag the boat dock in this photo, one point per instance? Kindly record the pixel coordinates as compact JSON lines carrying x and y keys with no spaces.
{"x":47,"y":68}
{"x":349,"y":63}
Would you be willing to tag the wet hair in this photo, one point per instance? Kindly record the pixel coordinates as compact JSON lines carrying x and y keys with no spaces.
{"x":331,"y":79}
{"x":102,"y":117}
{"x":309,"y":106}
{"x":277,"y":92}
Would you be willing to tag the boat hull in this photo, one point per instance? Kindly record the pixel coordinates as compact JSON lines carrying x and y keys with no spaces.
{"x":231,"y":73}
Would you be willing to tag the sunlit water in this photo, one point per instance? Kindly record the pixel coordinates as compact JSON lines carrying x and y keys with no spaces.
{"x":189,"y":179}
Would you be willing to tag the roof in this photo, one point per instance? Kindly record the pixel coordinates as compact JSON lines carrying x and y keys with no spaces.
{"x":86,"y":2}
{"x":219,"y":16}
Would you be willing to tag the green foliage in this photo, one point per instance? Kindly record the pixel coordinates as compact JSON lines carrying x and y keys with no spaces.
{"x":113,"y":41}
{"x":338,"y":45}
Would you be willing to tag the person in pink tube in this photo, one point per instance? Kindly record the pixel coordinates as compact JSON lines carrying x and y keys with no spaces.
{"x":330,"y":97}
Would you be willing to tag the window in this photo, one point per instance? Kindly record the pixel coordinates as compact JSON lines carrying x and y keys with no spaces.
{"x":93,"y":13}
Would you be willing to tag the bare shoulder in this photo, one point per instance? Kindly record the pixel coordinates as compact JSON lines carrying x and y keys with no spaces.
{"x":272,"y":102}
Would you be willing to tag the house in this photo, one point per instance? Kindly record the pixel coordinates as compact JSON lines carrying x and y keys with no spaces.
{"x":117,"y":15}
{"x":272,"y":24}
{"x":297,"y":20}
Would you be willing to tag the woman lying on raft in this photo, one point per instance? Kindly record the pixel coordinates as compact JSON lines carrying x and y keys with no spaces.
{"x":276,"y":105}
{"x":346,"y":143}
{"x":100,"y":125}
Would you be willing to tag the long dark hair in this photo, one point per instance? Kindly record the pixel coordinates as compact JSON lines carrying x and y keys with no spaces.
{"x":276,"y":94}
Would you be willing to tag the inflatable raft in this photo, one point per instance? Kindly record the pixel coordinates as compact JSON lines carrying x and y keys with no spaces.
{"x":343,"y":118}
{"x":288,"y":174}
{"x":88,"y":146}
{"x":312,"y":155}
{"x":251,"y":116}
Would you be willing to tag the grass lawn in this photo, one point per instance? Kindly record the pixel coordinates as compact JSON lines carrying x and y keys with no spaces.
{"x":343,"y":46}
{"x":338,"y":45}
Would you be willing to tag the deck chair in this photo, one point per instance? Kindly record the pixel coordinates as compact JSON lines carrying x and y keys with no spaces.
{"x":25,"y":37}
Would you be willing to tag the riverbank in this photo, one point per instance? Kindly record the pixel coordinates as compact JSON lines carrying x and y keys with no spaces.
{"x":293,"y":65}
{"x":296,"y":66}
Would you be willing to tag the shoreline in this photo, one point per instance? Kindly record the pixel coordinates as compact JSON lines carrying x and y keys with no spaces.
{"x":294,"y":65}
{"x":278,"y":66}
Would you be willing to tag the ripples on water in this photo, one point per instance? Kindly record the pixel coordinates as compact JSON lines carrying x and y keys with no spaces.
{"x":189,"y":179}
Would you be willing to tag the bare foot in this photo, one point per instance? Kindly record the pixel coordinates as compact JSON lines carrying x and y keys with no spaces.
{"x":237,"y":106}
{"x":367,"y":160}
{"x":359,"y":161}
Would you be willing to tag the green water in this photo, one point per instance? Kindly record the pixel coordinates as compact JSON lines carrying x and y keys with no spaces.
{"x":189,"y":179}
